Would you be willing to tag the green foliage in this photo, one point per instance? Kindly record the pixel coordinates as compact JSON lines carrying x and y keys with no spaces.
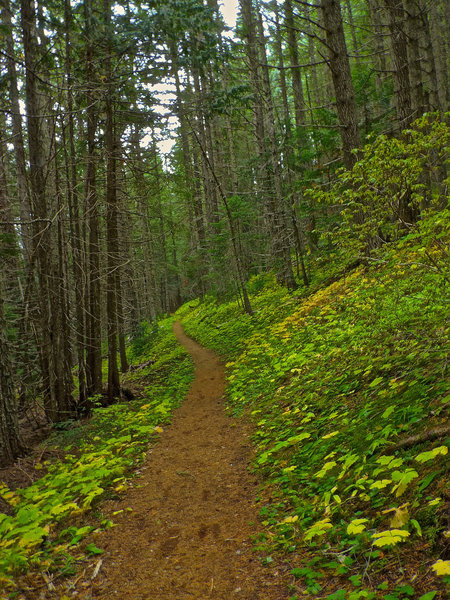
{"x":333,"y":381}
{"x":387,"y":188}
{"x":98,"y":457}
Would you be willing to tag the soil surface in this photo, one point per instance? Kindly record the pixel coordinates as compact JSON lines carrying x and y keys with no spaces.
{"x":189,"y":533}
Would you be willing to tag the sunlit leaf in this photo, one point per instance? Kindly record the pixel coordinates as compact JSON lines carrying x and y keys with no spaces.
{"x":441,"y":567}
{"x":426,"y":456}
{"x":356,"y":526}
{"x":389,"y":538}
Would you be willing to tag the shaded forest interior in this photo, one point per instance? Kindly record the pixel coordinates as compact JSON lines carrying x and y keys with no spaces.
{"x":278,"y":178}
{"x":100,"y":230}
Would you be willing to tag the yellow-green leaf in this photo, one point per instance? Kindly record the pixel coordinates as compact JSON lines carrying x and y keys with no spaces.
{"x":426,"y":456}
{"x":326,"y":467}
{"x":441,"y":567}
{"x":380,"y":484}
{"x":356,"y":526}
{"x":400,"y":516}
{"x":389,"y":538}
{"x":330,"y":435}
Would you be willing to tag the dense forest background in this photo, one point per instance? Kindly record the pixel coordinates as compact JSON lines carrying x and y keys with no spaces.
{"x":100,"y":231}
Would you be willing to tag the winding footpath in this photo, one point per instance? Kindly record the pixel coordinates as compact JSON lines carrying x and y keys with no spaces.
{"x":189,"y":533}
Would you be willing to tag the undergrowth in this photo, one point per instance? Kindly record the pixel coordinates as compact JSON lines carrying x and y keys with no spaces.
{"x":46,"y":525}
{"x":338,"y":382}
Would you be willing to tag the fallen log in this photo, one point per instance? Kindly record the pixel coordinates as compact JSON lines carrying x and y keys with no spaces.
{"x":425,"y":436}
{"x":141,"y":365}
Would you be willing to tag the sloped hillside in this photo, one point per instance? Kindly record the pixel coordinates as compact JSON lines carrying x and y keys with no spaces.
{"x":44,"y":523}
{"x":348,"y":390}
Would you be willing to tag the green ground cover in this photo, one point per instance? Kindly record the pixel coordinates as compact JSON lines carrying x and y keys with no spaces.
{"x":337,"y":381}
{"x":41,"y":531}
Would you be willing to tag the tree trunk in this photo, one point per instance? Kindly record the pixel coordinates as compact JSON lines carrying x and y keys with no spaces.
{"x":265,"y":123}
{"x":316,"y":95}
{"x":351,"y":22}
{"x":342,"y":80}
{"x":400,"y":61}
{"x":297,"y":86}
{"x":378,"y":44}
{"x":78,"y":256}
{"x":283,"y":84}
{"x":112,"y":239}
{"x":63,"y":341}
{"x":93,"y":316}
{"x":39,"y":156}
{"x":440,"y":26}
{"x":23,"y":193}
{"x":11,"y":445}
{"x":427,"y":45}
{"x":413,"y":24}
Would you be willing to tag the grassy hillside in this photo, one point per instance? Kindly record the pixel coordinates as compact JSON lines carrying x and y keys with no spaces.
{"x":42,"y":525}
{"x":347,"y":386}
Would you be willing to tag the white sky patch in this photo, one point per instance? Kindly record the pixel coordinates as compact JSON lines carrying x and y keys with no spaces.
{"x":163,"y":88}
{"x":229,"y":10}
{"x":164,"y":93}
{"x":164,"y":136}
{"x":165,"y":147}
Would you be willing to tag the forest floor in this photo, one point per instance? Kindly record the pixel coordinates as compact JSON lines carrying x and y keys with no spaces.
{"x":189,"y":533}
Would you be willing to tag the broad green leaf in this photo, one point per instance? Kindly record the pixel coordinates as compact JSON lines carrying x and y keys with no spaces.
{"x":326,"y":467}
{"x":92,"y":549}
{"x":380,"y":484}
{"x":318,"y":529}
{"x":405,"y":589}
{"x":416,"y":526}
{"x":390,"y":537}
{"x":403,"y":478}
{"x":356,"y":526}
{"x":330,"y":435}
{"x":376,"y":382}
{"x":428,"y":596}
{"x":387,"y":413}
{"x":384,"y":460}
{"x":426,"y":456}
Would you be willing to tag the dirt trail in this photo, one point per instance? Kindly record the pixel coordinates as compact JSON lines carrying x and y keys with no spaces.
{"x":188,"y":536}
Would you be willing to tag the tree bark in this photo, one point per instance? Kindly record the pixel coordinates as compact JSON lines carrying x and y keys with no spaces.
{"x":413,"y":25}
{"x":440,"y":25}
{"x":23,"y":193}
{"x":40,"y":179}
{"x":268,"y":151}
{"x":400,"y":61}
{"x":11,"y":445}
{"x":77,"y":243}
{"x":93,"y":317}
{"x":342,"y":80}
{"x":112,"y":241}
{"x":297,"y":85}
{"x":378,"y":44}
{"x":430,"y":61}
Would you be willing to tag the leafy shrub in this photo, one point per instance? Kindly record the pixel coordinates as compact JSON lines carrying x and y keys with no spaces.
{"x":387,"y":189}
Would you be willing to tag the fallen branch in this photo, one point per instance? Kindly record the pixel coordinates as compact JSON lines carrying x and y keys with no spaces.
{"x":141,"y":366}
{"x":97,"y":569}
{"x":432,"y":434}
